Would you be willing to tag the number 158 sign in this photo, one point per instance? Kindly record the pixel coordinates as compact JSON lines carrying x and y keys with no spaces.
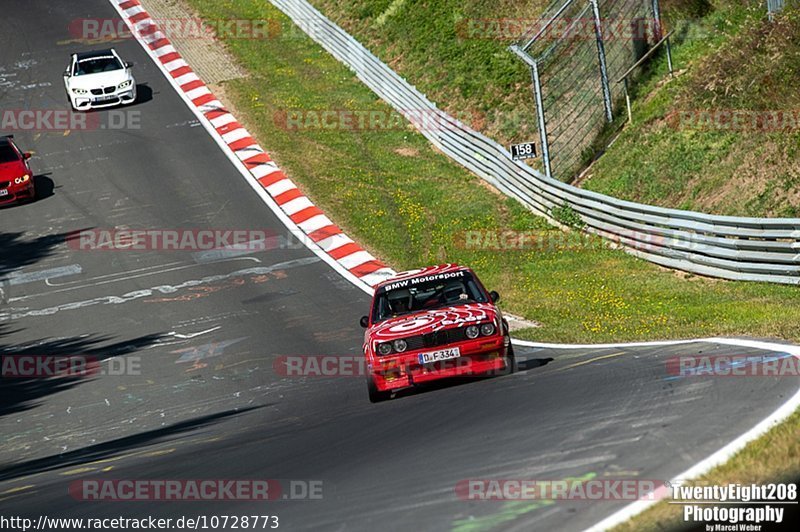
{"x":526,"y":150}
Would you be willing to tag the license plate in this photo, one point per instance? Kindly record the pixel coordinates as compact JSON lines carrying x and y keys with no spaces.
{"x":437,"y":356}
{"x":105,"y":98}
{"x":3,"y":192}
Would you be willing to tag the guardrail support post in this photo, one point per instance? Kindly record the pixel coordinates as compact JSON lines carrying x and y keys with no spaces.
{"x":537,"y":93}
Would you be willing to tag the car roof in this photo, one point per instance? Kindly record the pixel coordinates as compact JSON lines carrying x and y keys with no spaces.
{"x":80,"y":56}
{"x":422,"y":272}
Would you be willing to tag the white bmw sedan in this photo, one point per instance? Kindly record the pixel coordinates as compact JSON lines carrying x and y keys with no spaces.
{"x":99,"y":79}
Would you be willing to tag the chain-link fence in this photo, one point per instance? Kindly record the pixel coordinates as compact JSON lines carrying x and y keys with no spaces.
{"x":576,"y":54}
{"x":774,"y":6}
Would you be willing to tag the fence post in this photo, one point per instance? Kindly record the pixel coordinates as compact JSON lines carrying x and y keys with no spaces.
{"x":601,"y":56}
{"x":657,"y":19}
{"x":660,"y":33}
{"x":537,"y":93}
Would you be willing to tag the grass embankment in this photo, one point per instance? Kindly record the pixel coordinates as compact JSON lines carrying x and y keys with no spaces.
{"x":683,"y":148}
{"x":407,"y":203}
{"x":729,"y":58}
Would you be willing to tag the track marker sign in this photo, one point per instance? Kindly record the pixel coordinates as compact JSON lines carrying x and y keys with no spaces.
{"x":526,"y":150}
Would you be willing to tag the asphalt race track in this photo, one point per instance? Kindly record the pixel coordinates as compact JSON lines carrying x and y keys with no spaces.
{"x":205,"y":332}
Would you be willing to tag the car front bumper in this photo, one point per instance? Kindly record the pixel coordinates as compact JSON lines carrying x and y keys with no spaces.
{"x":17,"y":192}
{"x":478,"y":357}
{"x":84,"y":102}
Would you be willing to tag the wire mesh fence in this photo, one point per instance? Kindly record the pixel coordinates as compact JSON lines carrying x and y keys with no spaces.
{"x":576,"y":54}
{"x":774,"y":6}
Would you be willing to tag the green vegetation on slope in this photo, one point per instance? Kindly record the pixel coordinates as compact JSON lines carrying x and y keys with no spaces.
{"x":724,"y":135}
{"x":728,"y":57}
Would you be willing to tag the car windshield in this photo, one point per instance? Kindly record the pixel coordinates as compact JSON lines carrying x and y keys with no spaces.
{"x":414,"y":295}
{"x":96,"y":65}
{"x":7,"y":153}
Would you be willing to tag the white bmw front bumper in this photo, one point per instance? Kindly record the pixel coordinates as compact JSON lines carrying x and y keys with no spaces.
{"x":88,"y":100}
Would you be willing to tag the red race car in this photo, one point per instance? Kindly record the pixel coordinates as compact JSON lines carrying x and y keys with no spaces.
{"x":433,"y":323}
{"x":16,"y":178}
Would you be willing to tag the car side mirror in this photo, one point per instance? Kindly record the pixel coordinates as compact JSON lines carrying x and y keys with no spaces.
{"x":128,"y":65}
{"x":364,"y":321}
{"x":495,"y":296}
{"x":26,"y":155}
{"x":66,"y":73}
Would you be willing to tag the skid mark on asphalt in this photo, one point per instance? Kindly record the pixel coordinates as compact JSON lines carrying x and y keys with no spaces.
{"x":16,"y":490}
{"x":163,"y":289}
{"x":203,"y":352}
{"x":511,"y":511}
{"x":199,"y":292}
{"x":583,"y":362}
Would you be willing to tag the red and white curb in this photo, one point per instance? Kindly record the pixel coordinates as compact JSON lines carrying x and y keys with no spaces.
{"x":301,"y":216}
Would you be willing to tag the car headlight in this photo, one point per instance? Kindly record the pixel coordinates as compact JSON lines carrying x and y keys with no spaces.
{"x":384,"y":348}
{"x":472,"y":332}
{"x":400,"y":345}
{"x":125,"y":84}
{"x":487,"y":329}
{"x":20,"y":180}
{"x":80,"y":91}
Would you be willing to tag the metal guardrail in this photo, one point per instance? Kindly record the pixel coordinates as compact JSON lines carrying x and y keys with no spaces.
{"x":737,"y":248}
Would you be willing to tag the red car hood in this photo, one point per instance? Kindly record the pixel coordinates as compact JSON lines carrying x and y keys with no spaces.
{"x":8,"y":171}
{"x":432,"y":320}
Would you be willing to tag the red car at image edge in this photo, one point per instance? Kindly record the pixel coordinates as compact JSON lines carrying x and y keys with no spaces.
{"x":433,"y":323}
{"x":16,"y":178}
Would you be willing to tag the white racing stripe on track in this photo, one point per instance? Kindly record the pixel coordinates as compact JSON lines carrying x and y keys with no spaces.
{"x":526,"y":343}
{"x":165,"y":289}
{"x":18,"y":277}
